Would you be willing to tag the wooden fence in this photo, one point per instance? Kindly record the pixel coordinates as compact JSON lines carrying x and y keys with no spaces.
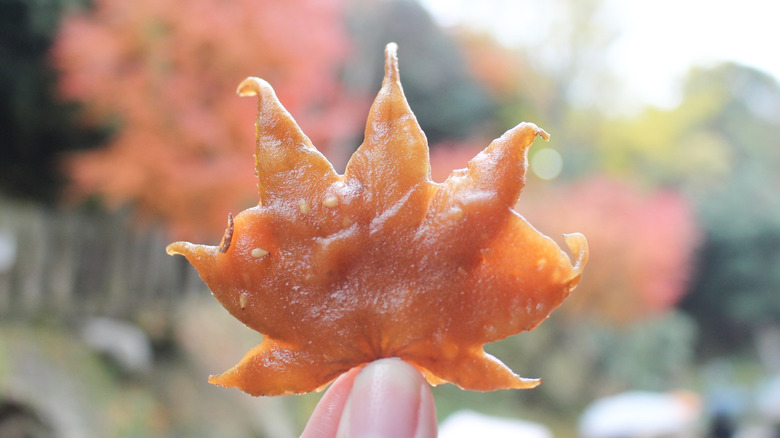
{"x":65,"y":265}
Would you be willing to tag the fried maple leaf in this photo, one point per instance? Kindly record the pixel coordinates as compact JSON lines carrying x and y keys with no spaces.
{"x":339,"y":270}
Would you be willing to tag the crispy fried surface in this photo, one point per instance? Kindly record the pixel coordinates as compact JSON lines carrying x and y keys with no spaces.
{"x":339,"y":270}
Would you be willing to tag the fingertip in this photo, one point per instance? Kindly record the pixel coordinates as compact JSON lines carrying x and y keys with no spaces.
{"x":427,"y":425}
{"x":389,"y":398}
{"x":324,"y":421}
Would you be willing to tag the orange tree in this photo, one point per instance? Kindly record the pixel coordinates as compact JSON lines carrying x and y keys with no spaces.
{"x":164,"y":75}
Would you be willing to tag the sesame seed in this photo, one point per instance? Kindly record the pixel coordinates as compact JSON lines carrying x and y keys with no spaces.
{"x":304,"y":206}
{"x":331,"y":202}
{"x":456,"y":212}
{"x":259,"y":253}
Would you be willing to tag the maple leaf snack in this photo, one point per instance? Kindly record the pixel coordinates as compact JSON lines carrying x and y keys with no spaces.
{"x":340,"y":270}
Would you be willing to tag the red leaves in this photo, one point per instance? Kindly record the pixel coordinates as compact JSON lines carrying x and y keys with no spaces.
{"x":643,"y":245}
{"x":163,"y":73}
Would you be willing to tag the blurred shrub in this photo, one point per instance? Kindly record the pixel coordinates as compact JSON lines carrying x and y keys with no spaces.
{"x":734,"y":292}
{"x":581,"y":360}
{"x":655,"y":354}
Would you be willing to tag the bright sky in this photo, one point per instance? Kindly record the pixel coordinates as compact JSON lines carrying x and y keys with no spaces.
{"x":658,"y":40}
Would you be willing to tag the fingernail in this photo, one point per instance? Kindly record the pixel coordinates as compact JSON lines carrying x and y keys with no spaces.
{"x":385,"y":402}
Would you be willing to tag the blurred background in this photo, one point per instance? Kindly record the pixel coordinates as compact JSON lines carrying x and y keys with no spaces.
{"x":121,"y":131}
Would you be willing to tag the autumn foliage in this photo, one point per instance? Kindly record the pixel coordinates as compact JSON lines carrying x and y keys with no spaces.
{"x":165,"y":74}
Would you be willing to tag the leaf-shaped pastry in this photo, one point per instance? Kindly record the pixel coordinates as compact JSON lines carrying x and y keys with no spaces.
{"x":339,"y":270}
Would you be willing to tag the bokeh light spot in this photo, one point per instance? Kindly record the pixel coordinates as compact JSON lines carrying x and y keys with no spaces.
{"x":547,"y":163}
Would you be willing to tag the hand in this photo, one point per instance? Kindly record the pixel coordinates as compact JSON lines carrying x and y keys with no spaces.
{"x":388,"y":398}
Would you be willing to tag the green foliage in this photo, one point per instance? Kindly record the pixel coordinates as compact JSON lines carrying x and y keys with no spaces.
{"x":667,"y":147}
{"x":652,"y":355}
{"x":720,"y":147}
{"x":581,"y":361}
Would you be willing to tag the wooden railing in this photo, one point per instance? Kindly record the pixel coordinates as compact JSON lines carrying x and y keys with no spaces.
{"x":64,"y":264}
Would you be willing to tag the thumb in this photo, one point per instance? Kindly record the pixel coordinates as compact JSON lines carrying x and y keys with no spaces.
{"x":389,"y":398}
